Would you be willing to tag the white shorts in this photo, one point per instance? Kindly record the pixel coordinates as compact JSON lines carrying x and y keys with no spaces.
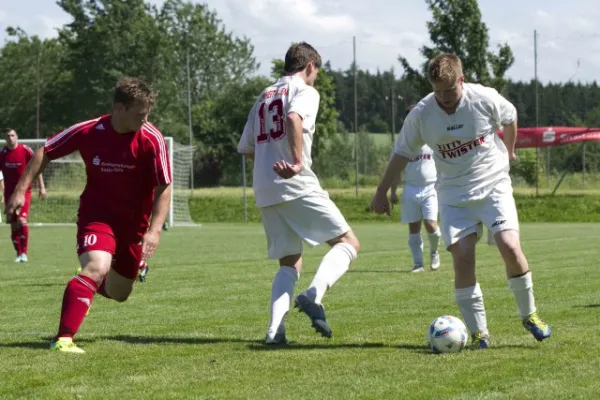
{"x":313,"y":218}
{"x":419,"y":202}
{"x":498,"y":212}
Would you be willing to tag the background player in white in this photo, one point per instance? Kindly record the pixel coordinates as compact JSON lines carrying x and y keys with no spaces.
{"x":459,"y":122}
{"x":294,"y":208}
{"x":420,"y":204}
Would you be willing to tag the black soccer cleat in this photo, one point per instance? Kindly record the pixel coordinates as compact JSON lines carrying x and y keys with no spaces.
{"x":316,"y":313}
{"x":142,"y":273}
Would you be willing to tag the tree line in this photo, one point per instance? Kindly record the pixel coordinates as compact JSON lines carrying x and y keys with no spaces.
{"x":185,"y":51}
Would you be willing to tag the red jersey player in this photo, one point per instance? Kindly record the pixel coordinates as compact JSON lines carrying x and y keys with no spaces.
{"x":128,"y":179}
{"x":14,"y":157}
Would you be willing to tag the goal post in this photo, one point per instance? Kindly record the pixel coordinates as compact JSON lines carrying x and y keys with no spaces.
{"x":65,"y":180}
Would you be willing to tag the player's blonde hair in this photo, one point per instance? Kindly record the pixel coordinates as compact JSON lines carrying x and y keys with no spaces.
{"x":445,"y":68}
{"x":299,"y":55}
{"x":130,"y":89}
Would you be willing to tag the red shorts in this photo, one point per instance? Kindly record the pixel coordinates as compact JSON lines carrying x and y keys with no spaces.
{"x":24,"y":211}
{"x":125,"y":248}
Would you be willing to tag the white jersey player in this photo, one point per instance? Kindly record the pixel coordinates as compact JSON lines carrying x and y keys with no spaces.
{"x":420,"y":203}
{"x":293,"y":206}
{"x":459,"y":122}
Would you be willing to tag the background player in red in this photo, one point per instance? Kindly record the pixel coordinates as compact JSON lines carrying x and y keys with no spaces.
{"x":14,"y":157}
{"x":128,"y":179}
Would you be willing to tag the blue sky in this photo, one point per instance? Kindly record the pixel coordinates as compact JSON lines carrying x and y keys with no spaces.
{"x":568,"y":42}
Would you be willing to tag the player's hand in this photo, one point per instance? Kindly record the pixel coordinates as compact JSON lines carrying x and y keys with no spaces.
{"x":394,"y":198}
{"x":512,"y":156}
{"x":380,"y":203}
{"x":286,"y":170}
{"x":14,"y":205}
{"x":149,"y":244}
{"x":43,"y":194}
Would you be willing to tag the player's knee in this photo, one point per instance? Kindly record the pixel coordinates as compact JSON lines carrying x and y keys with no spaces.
{"x":294,"y":261}
{"x":430,"y":226}
{"x":22,"y":221}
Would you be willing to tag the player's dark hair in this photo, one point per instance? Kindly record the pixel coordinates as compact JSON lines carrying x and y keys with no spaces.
{"x":298,"y":56}
{"x":130,"y":89}
{"x":7,"y":130}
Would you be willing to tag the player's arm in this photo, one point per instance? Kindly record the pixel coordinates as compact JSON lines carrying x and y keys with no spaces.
{"x":160,"y":209}
{"x":408,"y":145}
{"x":1,"y":187}
{"x":247,"y":141}
{"x":161,"y":176}
{"x":303,"y":105}
{"x":35,"y":167}
{"x":394,"y":190}
{"x":506,"y":116}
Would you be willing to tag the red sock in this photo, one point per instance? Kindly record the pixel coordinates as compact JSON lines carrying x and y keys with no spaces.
{"x":76,"y":302}
{"x":14,"y":235}
{"x":24,"y":238}
{"x":102,"y":290}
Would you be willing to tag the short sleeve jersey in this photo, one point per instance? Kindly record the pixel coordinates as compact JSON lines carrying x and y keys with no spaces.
{"x":122,"y":170}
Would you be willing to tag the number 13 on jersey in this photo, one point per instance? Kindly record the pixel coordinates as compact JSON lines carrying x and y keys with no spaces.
{"x":272,"y":121}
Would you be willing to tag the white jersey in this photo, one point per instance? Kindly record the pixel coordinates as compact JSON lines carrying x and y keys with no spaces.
{"x":470,"y":157}
{"x":265,"y":136}
{"x":420,"y":170}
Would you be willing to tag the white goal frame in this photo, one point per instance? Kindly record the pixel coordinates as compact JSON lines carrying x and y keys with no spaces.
{"x":180,"y":157}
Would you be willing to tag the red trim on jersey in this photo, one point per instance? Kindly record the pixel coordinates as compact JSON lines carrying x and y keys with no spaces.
{"x":57,"y":141}
{"x":162,"y":151}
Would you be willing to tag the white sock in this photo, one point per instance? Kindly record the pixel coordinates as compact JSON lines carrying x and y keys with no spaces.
{"x":415,"y":242}
{"x":522,"y":288}
{"x":282,"y":292}
{"x":470,"y":303}
{"x":335,"y":264}
{"x":434,"y":240}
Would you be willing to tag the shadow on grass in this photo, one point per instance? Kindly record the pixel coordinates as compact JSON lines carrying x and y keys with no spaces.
{"x":379,"y":271}
{"x":588,"y":306}
{"x":260,"y":346}
{"x":44,"y":342}
{"x":253,"y":345}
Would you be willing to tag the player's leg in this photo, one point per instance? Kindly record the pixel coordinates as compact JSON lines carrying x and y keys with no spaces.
{"x":23,"y":238}
{"x":15,"y":231}
{"x":24,"y":228}
{"x":124,"y":270}
{"x":429,"y":208}
{"x":78,"y":297}
{"x":411,"y":214}
{"x":95,"y":247}
{"x":500,"y":215}
{"x":286,"y":246}
{"x":415,"y":244}
{"x":461,"y":231}
{"x":316,"y":219}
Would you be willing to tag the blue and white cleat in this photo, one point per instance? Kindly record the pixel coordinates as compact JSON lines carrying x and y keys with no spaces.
{"x":538,"y":328}
{"x":316,"y":313}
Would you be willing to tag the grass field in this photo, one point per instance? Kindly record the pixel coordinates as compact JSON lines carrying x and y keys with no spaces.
{"x":194,"y":330}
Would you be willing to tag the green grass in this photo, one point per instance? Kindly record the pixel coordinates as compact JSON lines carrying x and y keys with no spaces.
{"x":194,"y":329}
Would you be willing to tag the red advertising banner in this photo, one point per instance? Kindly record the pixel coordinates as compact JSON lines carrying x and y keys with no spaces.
{"x":554,"y":136}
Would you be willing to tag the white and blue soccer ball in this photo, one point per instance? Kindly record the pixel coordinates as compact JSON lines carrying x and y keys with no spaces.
{"x":447,"y":334}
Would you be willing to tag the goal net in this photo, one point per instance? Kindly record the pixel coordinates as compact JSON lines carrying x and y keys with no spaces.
{"x":65,"y":179}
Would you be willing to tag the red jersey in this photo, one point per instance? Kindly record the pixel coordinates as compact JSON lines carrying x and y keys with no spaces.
{"x":122,"y":170}
{"x":12,"y":164}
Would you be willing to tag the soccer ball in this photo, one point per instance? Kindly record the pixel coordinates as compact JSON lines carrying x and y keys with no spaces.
{"x":447,"y":334}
